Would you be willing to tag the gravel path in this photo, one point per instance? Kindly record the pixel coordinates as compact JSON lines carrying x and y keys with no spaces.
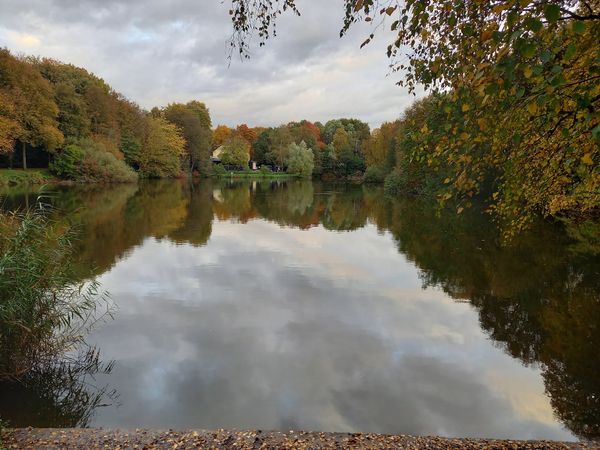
{"x":35,"y":438}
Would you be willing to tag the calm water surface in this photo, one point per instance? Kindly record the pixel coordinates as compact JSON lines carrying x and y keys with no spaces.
{"x":313,"y":306}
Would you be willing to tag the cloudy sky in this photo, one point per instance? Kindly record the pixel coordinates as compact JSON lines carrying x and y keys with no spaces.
{"x":156,"y":52}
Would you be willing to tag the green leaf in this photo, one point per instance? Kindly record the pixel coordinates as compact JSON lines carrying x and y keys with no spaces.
{"x":546,"y":56}
{"x":570,"y":51}
{"x":520,"y":93}
{"x":512,"y":17}
{"x":528,"y":49}
{"x":533,"y":24}
{"x":552,"y":13}
{"x":578,"y":27}
{"x":516,"y":138}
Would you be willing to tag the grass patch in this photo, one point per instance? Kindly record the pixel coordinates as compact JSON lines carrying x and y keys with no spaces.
{"x":20,"y":177}
{"x":255,"y":174}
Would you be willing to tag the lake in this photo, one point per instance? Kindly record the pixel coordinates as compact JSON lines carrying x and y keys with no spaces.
{"x":304,"y":305}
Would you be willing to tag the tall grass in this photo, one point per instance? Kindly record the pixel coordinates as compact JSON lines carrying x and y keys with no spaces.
{"x":45,"y":312}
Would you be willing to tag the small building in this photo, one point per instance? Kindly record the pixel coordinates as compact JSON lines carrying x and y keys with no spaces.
{"x":216,"y":155}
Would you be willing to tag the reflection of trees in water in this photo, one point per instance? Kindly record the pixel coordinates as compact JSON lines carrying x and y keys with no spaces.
{"x":345,"y":210}
{"x":300,"y":197}
{"x":233,"y":202}
{"x":538,"y":298}
{"x":196,"y":228}
{"x":57,"y":394}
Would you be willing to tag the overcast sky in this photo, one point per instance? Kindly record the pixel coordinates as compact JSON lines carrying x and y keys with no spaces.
{"x":157,"y":51}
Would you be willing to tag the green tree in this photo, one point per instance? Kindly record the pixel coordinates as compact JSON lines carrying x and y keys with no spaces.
{"x":194,"y":123}
{"x":380,"y":147}
{"x":262,"y":147}
{"x":300,"y":160}
{"x":236,"y":151}
{"x":72,"y":117}
{"x":329,"y":130}
{"x":280,"y":139}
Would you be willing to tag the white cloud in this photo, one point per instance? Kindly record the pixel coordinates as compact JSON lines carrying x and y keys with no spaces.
{"x":156,"y":52}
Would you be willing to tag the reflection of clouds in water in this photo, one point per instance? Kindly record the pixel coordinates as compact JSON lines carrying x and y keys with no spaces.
{"x":277,"y":328}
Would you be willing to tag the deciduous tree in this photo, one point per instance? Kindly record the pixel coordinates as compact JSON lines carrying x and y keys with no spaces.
{"x":236,"y":152}
{"x":300,"y":160}
{"x":163,"y":149}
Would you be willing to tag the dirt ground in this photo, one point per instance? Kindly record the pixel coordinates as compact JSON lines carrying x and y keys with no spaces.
{"x":35,"y":438}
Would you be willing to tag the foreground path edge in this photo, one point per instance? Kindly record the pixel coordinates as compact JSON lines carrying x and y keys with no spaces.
{"x":77,"y":438}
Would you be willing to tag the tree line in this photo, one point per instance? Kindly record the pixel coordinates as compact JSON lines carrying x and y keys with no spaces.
{"x":63,"y":116}
{"x":331,"y":150}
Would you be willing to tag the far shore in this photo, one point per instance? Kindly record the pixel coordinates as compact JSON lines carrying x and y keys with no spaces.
{"x":76,"y":438}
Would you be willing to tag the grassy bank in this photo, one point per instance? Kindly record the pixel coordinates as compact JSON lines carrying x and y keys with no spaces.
{"x":254,"y":175}
{"x":20,"y":177}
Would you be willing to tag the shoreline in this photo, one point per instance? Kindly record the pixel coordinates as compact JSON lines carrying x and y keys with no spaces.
{"x":98,"y":438}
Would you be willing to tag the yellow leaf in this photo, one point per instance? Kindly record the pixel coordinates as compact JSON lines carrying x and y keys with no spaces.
{"x":532,"y":108}
{"x":527,"y":72}
{"x":587,"y":159}
{"x":425,"y":129}
{"x":466,"y":107}
{"x":482,"y":124}
{"x":459,"y":210}
{"x":447,"y":180}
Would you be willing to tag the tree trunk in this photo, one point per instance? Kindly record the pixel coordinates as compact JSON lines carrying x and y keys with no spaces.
{"x":24,"y":147}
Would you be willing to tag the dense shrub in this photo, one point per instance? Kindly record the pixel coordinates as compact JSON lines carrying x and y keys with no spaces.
{"x":219,"y":170}
{"x":131,"y":148}
{"x":374,"y":174}
{"x":393,"y":184}
{"x":264,"y":169}
{"x":88,"y":161}
{"x":350,"y":163}
{"x":102,"y":167}
{"x":67,"y":163}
